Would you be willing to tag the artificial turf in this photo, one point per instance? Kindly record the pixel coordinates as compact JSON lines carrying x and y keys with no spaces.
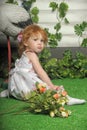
{"x":13,"y":116}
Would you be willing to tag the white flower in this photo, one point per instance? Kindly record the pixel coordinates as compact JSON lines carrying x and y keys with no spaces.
{"x":64,"y":114}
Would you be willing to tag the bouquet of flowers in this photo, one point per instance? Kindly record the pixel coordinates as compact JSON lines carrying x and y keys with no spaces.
{"x":47,"y":101}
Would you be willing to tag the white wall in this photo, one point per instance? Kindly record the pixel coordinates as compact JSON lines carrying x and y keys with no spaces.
{"x":76,"y":14}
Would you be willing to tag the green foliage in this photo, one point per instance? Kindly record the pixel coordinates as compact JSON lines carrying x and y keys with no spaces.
{"x":53,"y":5}
{"x":44,"y":56}
{"x":80,"y":30}
{"x":68,"y":66}
{"x":84,"y":42}
{"x":51,"y":68}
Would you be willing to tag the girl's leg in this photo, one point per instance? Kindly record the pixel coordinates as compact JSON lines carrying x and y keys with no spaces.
{"x":74,"y":101}
{"x":71,"y":100}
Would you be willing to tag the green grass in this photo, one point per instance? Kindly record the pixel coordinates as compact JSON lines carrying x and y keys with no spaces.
{"x":13,"y":118}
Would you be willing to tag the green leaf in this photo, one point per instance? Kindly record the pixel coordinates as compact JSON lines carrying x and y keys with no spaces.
{"x":63,"y":8}
{"x":35,"y":19}
{"x":66,"y":21}
{"x":84,"y":42}
{"x":53,"y":5}
{"x":58,"y":36}
{"x":80,"y":28}
{"x":57,"y":27}
{"x":34,"y":11}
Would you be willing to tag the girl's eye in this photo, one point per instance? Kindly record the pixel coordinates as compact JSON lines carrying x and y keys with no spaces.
{"x":42,"y":40}
{"x":35,"y":39}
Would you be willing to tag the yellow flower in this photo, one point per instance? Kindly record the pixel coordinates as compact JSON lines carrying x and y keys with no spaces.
{"x":61,"y":102}
{"x":52,"y":114}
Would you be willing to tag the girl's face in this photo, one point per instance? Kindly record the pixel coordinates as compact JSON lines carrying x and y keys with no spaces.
{"x":35,"y":43}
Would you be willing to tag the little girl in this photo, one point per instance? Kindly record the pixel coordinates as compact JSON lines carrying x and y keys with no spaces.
{"x":28,"y":70}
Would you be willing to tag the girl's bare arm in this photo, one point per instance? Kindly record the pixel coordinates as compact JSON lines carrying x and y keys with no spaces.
{"x":39,"y":70}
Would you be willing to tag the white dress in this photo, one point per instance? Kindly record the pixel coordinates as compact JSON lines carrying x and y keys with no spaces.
{"x":22,"y":78}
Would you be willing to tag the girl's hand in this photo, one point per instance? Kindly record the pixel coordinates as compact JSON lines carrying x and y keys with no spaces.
{"x":54,"y":87}
{"x":57,"y":88}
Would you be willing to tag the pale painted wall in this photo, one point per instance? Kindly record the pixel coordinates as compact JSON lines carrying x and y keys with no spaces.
{"x":76,"y":14}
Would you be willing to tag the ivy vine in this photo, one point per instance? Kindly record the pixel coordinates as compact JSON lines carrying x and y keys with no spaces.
{"x":81,"y":32}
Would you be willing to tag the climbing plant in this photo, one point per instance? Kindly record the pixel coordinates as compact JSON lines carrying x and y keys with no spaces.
{"x":60,"y":10}
{"x":81,"y":32}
